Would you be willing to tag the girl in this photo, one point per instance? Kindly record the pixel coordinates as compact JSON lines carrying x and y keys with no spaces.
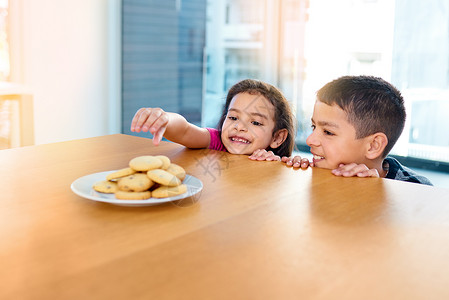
{"x":256,"y":116}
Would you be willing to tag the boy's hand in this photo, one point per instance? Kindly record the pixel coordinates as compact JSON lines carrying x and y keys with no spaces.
{"x":354,"y":169}
{"x":154,"y":120}
{"x":297,"y":162}
{"x":262,"y":154}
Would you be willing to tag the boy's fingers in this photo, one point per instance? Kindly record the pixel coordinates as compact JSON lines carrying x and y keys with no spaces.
{"x":344,"y":169}
{"x":304,"y":163}
{"x":368,"y":173}
{"x":296,"y":161}
{"x":353,"y":169}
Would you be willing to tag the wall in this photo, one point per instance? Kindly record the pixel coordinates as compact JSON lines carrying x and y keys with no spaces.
{"x":65,"y":53}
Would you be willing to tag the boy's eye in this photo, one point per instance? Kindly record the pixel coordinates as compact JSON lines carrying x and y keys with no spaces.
{"x":313,"y":127}
{"x":256,"y":123}
{"x":326,"y":132}
{"x":232,"y":118}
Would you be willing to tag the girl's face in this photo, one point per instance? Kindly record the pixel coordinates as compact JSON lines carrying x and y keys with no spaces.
{"x":249,"y":124}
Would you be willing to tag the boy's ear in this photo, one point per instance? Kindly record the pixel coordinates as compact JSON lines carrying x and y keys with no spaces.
{"x":377,"y":144}
{"x":279,"y":137}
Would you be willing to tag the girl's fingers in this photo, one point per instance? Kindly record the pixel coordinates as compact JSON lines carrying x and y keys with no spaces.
{"x":262,"y":154}
{"x":147,"y":119}
{"x":285,"y":158}
{"x":138,"y":119}
{"x":157,"y":121}
{"x":255,"y":155}
{"x":157,"y":136}
{"x":270,"y":156}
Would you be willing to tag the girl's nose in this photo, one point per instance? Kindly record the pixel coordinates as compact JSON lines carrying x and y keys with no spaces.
{"x":240,"y":126}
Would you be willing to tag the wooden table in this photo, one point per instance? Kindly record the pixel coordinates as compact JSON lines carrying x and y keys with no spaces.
{"x":259,"y":230}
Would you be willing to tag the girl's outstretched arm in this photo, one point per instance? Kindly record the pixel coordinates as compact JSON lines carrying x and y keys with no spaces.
{"x":172,"y":126}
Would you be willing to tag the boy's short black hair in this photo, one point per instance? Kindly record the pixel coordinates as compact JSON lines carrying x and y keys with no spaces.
{"x":371,"y":104}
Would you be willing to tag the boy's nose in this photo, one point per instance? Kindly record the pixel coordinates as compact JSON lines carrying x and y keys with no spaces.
{"x":312,"y":140}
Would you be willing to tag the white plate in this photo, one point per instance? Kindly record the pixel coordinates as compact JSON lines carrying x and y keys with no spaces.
{"x":83,"y":187}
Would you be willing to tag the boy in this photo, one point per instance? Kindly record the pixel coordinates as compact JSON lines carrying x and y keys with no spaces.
{"x":356,"y":122}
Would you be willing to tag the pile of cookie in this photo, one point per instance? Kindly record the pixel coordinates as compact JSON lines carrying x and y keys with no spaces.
{"x":147,"y":176}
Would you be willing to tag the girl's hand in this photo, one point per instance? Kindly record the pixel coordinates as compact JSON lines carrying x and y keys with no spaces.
{"x":262,"y":154}
{"x":154,"y":120}
{"x":297,"y":162}
{"x":353,"y":169}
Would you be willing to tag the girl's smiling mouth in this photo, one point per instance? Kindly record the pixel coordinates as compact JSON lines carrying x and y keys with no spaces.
{"x":239,"y":140}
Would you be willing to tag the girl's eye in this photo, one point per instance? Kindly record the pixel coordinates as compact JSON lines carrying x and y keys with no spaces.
{"x":256,"y":123}
{"x":232,"y":118}
{"x":313,"y":127}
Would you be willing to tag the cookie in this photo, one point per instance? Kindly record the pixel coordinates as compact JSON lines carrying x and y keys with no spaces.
{"x":132,"y":195}
{"x":177,"y":170}
{"x":165,"y":161}
{"x":169,"y":191}
{"x":163,"y":177}
{"x":105,"y":186}
{"x":138,"y":182}
{"x":120,"y":173}
{"x":145,"y":163}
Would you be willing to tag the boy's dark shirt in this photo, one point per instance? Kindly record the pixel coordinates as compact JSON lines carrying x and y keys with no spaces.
{"x":399,"y":172}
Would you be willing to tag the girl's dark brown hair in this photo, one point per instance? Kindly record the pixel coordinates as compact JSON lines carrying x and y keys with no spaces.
{"x":283,"y":116}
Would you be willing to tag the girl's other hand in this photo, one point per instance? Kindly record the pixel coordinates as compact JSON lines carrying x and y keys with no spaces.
{"x":153,"y":120}
{"x":262,"y":154}
{"x":297,"y":162}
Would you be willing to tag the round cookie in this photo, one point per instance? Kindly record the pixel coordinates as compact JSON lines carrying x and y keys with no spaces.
{"x":132,"y":195}
{"x":169,"y":191}
{"x":165,"y":161}
{"x":120,"y":173}
{"x":163,"y":177}
{"x":105,"y":186}
{"x":177,"y":170}
{"x":145,"y":163}
{"x":138,"y":182}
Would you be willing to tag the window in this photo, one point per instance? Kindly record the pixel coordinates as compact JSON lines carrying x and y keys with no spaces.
{"x":162,"y":58}
{"x":299,"y":45}
{"x":184,"y":55}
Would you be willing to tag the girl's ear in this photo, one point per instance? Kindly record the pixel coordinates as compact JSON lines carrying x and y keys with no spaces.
{"x":376,"y":146}
{"x":279,"y":137}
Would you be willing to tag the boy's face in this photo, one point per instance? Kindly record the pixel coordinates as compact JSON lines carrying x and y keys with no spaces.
{"x":333,"y":140}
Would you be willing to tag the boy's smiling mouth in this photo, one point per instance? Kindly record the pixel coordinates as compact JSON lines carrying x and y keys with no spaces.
{"x":317,"y":158}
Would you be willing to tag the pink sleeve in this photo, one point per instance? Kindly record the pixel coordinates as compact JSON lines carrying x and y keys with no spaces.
{"x":215,"y":140}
